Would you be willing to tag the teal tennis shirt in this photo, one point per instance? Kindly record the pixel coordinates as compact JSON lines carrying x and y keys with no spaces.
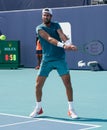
{"x":50,"y":51}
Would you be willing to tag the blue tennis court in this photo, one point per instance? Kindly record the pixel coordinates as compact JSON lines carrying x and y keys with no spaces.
{"x":12,"y":122}
{"x":17,"y":100}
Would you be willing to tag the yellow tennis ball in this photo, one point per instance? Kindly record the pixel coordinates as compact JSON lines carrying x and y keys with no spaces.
{"x":2,"y":37}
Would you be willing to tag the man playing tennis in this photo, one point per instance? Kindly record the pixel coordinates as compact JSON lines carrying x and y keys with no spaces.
{"x":51,"y":37}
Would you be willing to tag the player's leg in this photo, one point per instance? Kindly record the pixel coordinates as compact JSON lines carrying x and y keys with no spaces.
{"x":69,"y":92}
{"x":40,"y":80}
{"x":63,"y":71}
{"x":68,"y":86}
{"x":39,"y":85}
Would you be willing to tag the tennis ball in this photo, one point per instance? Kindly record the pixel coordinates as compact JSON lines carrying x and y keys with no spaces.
{"x":2,"y":37}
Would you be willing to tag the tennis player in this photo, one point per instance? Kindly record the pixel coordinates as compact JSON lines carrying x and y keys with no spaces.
{"x":54,"y":43}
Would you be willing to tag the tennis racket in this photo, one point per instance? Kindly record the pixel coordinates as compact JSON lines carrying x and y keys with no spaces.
{"x":94,"y":48}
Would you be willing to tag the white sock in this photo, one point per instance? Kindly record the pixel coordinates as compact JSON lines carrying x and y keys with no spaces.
{"x":70,"y":105}
{"x":38,"y":105}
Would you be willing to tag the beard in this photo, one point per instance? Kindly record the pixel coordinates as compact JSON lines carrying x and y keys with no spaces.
{"x":47,"y":21}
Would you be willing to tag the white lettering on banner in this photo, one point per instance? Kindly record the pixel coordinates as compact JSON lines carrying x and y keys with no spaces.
{"x":10,"y":49}
{"x":81,"y":63}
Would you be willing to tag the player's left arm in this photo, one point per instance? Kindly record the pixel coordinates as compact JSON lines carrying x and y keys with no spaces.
{"x":62,"y":36}
{"x":67,"y":42}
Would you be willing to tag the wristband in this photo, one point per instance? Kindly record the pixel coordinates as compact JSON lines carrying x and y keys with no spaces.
{"x":60,"y":44}
{"x":68,"y":42}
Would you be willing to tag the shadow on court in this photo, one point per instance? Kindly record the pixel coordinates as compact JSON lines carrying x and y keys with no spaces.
{"x":80,"y":119}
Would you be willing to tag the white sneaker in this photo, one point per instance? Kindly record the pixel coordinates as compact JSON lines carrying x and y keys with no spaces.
{"x":72,"y":114}
{"x":36,"y":112}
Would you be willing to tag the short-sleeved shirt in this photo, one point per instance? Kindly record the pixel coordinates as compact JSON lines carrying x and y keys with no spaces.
{"x":51,"y":52}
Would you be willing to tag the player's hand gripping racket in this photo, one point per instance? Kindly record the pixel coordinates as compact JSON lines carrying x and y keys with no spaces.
{"x":94,"y":48}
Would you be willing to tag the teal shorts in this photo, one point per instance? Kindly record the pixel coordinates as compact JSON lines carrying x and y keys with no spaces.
{"x":47,"y":67}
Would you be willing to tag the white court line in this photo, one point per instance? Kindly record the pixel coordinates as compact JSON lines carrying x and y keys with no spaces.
{"x":91,"y":126}
{"x":5,"y":114}
{"x":18,"y":123}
